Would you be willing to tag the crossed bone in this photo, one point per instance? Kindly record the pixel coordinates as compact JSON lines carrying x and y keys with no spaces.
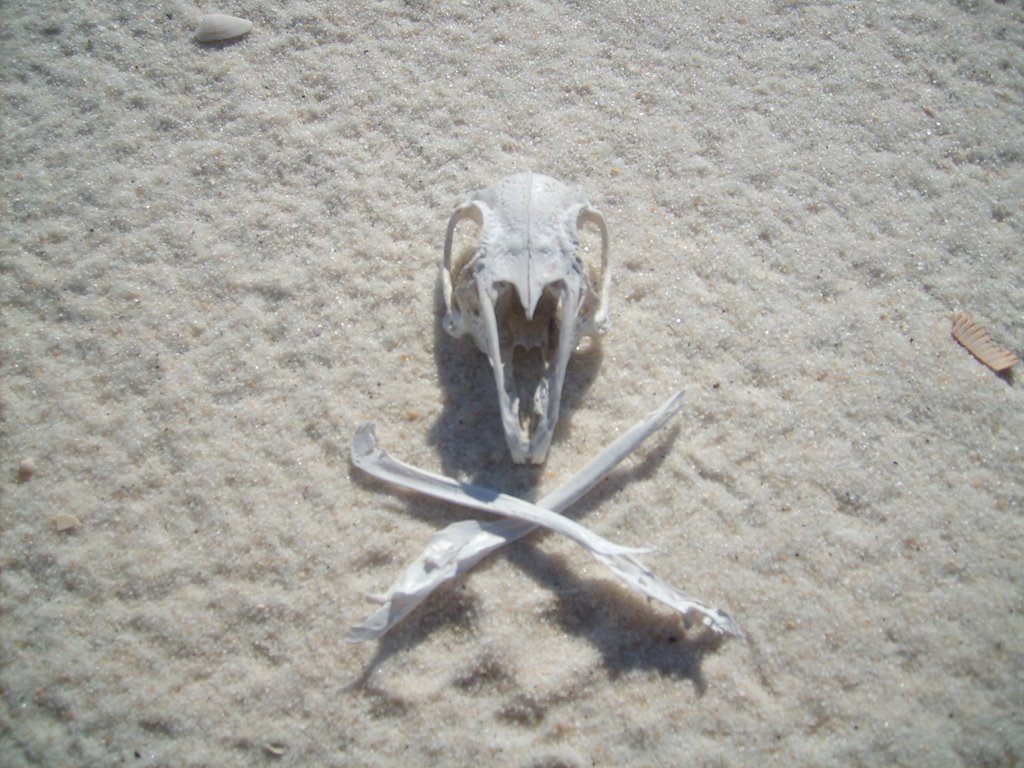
{"x":457,"y":548}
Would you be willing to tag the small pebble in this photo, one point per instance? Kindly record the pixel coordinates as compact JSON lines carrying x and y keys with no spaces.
{"x":26,"y":469}
{"x":65,"y":521}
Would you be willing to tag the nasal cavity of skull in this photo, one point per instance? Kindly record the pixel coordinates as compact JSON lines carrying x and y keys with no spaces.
{"x":528,"y":349}
{"x":540,"y":332}
{"x":529,"y":385}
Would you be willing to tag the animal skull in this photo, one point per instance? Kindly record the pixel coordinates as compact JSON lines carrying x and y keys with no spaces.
{"x":526,"y":298}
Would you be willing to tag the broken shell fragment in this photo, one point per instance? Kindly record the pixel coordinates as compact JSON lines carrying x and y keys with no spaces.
{"x":216,"y":27}
{"x":275,"y":748}
{"x":65,"y":521}
{"x":976,"y":340}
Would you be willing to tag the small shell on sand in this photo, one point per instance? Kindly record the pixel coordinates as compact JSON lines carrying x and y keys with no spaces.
{"x":216,"y":27}
{"x":65,"y":521}
{"x":976,"y":340}
{"x":275,"y":748}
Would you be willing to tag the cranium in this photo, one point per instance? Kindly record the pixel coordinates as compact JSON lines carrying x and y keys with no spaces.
{"x":526,"y":297}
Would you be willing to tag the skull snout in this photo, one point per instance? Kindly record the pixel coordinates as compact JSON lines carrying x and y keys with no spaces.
{"x":528,"y":348}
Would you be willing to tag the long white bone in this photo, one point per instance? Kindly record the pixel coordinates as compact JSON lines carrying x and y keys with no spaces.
{"x":460,"y":546}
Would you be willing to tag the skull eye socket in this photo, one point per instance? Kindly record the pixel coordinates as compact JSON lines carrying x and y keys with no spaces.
{"x":465,"y":247}
{"x":589,"y":254}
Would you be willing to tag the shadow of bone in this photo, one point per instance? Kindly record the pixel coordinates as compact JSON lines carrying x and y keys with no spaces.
{"x":453,"y":607}
{"x":468,"y":433}
{"x":629,"y":632}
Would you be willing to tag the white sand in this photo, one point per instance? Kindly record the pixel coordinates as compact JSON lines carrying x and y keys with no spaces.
{"x":218,"y":261}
